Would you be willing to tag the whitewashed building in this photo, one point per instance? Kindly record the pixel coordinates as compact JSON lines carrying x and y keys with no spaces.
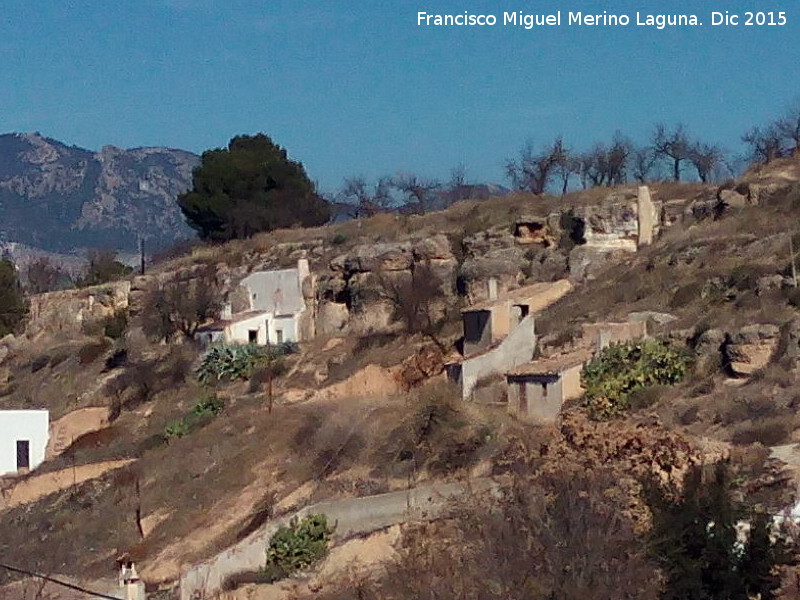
{"x":276,"y":310}
{"x":23,"y":439}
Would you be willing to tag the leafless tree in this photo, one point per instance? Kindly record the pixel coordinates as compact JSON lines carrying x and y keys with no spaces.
{"x":765,"y":143}
{"x":788,"y":128}
{"x":608,"y":165}
{"x":706,"y":158}
{"x":673,"y":146}
{"x":180,"y":306}
{"x":643,"y":160}
{"x":555,"y":537}
{"x":418,"y":302}
{"x":532,"y":171}
{"x":420,"y":193}
{"x":366,"y":200}
{"x":456,"y":188}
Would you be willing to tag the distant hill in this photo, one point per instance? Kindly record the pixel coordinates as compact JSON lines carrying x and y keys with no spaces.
{"x":60,"y":198}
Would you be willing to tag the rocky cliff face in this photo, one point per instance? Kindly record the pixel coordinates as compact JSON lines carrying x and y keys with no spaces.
{"x":59,"y":198}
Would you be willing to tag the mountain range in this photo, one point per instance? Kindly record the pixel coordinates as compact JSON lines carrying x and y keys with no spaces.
{"x":61,"y":198}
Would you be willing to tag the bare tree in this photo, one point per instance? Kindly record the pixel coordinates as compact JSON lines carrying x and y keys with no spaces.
{"x":608,"y":165}
{"x":457,"y":187}
{"x":706,"y":158}
{"x":673,"y":146}
{"x":532,"y":171}
{"x":418,"y":302}
{"x":555,"y":537}
{"x":788,"y":128}
{"x":420,"y":193}
{"x":366,"y":200}
{"x":642,"y":162}
{"x":181,"y":306}
{"x":765,"y":143}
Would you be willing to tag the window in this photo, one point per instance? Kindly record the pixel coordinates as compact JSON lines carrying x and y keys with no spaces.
{"x":279,"y":336}
{"x":23,"y":455}
{"x":252,"y":336}
{"x":544,"y":390}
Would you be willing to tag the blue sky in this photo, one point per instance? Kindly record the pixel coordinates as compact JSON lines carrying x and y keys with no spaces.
{"x":353,"y":87}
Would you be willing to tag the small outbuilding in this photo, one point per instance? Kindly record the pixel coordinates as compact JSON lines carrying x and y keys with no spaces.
{"x":538,"y":390}
{"x":274,"y":310}
{"x":487,"y":323}
{"x":23,"y":440}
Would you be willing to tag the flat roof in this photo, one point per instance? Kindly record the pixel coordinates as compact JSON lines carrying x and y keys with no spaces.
{"x":553,"y":365}
{"x":527,"y":293}
{"x":221,"y":324}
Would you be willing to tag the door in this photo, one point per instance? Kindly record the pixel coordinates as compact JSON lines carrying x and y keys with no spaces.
{"x":279,"y":336}
{"x":252,"y":336}
{"x":23,"y":455}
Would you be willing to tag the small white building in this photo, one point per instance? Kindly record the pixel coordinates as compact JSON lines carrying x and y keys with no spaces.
{"x":23,"y":439}
{"x":277,"y":308}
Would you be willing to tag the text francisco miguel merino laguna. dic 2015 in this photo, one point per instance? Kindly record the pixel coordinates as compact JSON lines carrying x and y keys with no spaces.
{"x":604,"y":19}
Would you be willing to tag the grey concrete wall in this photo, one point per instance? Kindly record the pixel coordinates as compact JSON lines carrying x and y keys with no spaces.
{"x":353,"y":516}
{"x":513,"y":351}
{"x":477,"y":331}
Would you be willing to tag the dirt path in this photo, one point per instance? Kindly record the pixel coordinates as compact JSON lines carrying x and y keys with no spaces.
{"x":39,"y":486}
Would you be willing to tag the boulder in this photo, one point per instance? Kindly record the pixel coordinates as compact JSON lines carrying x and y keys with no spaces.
{"x":433,"y":248}
{"x":332,"y":317}
{"x":750,"y":348}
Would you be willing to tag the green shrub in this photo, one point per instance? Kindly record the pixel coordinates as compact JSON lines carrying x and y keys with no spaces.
{"x":619,"y":370}
{"x":338,"y":239}
{"x":207,"y":407}
{"x":297,"y":546}
{"x":177,"y":429}
{"x":228,"y":362}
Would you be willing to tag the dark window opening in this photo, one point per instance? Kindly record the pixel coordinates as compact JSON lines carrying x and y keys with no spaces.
{"x":23,"y":454}
{"x":252,"y":336}
{"x":544,"y":390}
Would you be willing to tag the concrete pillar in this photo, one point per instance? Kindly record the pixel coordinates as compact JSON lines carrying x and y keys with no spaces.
{"x":646,"y":214}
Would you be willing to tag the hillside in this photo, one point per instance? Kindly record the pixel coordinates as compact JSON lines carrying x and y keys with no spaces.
{"x":364,"y":408}
{"x":59,"y":198}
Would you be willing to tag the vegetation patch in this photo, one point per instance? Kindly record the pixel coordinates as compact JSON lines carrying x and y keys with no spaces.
{"x":622,"y":369}
{"x":297,"y":546}
{"x":228,"y":362}
{"x":207,"y":407}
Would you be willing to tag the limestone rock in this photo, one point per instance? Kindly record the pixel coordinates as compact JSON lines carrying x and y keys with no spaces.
{"x":332,"y":317}
{"x":750,"y":348}
{"x":433,"y":248}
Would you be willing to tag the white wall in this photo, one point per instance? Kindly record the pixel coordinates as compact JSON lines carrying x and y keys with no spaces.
{"x":238,"y":331}
{"x":31,"y":425}
{"x":288,"y":325}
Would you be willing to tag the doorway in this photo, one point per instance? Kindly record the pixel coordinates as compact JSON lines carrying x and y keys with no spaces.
{"x":23,"y":455}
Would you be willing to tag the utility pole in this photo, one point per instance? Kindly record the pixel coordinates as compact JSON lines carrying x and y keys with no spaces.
{"x":141,"y":255}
